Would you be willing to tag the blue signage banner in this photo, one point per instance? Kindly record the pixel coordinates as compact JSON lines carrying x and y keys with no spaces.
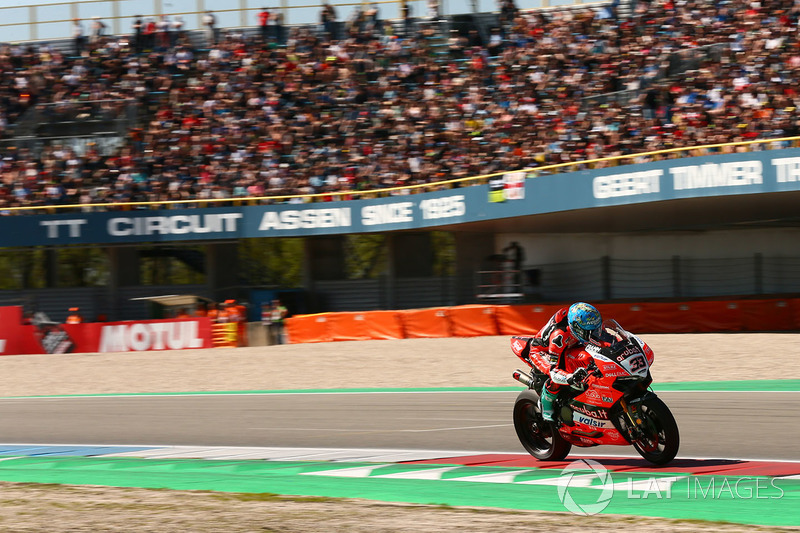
{"x":514,"y":194}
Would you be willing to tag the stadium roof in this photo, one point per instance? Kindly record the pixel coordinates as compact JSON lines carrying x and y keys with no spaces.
{"x":692,"y":214}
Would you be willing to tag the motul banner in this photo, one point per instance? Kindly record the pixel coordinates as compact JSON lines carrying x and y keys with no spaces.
{"x":150,"y":335}
{"x":42,"y":336}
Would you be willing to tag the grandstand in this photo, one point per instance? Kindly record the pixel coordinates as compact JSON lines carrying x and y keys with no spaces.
{"x":463,"y":99}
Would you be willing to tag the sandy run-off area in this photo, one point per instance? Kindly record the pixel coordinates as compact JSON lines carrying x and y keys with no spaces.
{"x":451,"y":362}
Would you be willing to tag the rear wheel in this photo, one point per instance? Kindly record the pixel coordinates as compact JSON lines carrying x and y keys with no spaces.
{"x":539,"y":437}
{"x":662,"y":440}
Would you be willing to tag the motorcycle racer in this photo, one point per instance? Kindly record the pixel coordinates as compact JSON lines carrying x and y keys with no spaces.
{"x":557,"y":350}
{"x":590,"y":382}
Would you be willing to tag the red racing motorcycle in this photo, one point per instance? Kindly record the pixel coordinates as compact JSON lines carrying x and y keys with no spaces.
{"x":612,"y":404}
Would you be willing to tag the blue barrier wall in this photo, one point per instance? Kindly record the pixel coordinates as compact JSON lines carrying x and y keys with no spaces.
{"x":515,"y":194}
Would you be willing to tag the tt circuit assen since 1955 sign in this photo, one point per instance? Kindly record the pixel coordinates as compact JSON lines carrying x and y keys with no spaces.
{"x":511,"y":194}
{"x":283,"y":220}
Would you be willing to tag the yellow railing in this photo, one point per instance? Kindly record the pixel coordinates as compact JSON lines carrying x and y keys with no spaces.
{"x":643,"y":157}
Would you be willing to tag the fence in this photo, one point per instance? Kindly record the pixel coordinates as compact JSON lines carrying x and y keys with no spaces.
{"x":53,"y":20}
{"x":609,"y":279}
{"x":605,"y":279}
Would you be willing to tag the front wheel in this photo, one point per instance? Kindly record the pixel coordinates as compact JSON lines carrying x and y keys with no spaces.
{"x":661,"y":439}
{"x":539,"y":437}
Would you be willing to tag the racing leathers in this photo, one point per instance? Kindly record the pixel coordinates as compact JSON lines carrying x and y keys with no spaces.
{"x":558,"y":354}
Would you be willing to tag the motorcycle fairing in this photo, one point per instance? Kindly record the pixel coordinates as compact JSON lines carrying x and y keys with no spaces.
{"x":621,"y":349}
{"x":591,"y":417}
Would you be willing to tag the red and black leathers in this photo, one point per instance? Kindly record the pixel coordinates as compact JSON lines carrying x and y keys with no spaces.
{"x":556,"y":352}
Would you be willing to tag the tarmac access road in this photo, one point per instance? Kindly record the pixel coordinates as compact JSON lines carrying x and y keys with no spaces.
{"x":715,"y":424}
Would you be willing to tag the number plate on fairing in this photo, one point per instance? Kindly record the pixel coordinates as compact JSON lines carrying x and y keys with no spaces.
{"x":633,"y":360}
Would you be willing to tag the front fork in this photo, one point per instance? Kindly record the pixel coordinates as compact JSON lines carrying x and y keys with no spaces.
{"x":632,"y":419}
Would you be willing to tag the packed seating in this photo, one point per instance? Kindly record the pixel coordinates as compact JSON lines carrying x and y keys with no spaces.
{"x":242,"y":116}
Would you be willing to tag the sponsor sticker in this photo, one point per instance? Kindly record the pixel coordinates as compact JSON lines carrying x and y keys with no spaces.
{"x":596,"y":413}
{"x":592,"y":394}
{"x":589,"y":421}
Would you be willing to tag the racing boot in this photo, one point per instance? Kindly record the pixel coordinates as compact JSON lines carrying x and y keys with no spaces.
{"x":546,"y":404}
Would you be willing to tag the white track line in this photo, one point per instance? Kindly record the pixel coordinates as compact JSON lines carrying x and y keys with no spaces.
{"x":295,"y":452}
{"x":303,"y":393}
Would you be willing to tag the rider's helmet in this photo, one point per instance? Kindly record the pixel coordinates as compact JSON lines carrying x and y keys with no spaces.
{"x":584,"y":322}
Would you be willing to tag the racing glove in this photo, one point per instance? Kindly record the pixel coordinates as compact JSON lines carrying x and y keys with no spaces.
{"x":562,"y":378}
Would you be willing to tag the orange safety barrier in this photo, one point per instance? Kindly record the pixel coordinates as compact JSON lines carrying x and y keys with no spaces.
{"x":794,"y":309}
{"x":708,"y":317}
{"x":652,"y":317}
{"x":365,"y":326}
{"x":794,"y":305}
{"x":224,"y":335}
{"x":308,"y":328}
{"x":632,"y":317}
{"x":426,"y":323}
{"x":523,"y":319}
{"x":477,"y":320}
{"x":769,"y":315}
{"x":472,"y":320}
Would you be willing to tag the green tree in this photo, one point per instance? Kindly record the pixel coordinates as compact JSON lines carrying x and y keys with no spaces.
{"x":22,"y":268}
{"x":274,"y":262}
{"x":81,"y":267}
{"x":444,"y":250}
{"x":365,"y":256}
{"x":172,"y":265}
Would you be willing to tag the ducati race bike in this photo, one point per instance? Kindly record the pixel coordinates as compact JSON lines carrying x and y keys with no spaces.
{"x":612,"y":404}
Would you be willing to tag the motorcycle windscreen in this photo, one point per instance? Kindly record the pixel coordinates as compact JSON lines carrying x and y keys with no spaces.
{"x":627,"y":349}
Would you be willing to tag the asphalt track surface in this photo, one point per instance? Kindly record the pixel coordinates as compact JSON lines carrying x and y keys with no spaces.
{"x":753,"y":425}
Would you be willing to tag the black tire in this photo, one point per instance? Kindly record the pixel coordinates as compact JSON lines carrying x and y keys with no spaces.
{"x":539,"y":438}
{"x":665,"y":440}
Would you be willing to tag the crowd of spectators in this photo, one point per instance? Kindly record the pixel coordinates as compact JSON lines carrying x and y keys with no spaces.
{"x":243,"y":114}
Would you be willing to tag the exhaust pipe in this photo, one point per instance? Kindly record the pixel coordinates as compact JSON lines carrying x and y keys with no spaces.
{"x":523,"y":378}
